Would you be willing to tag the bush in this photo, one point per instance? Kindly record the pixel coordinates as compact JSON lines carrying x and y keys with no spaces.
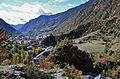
{"x":6,"y":62}
{"x":111,"y":73}
{"x":49,"y":41}
{"x":34,"y":73}
{"x":72,"y":73}
{"x":109,"y":63}
{"x":46,"y":64}
{"x":65,"y":53}
{"x":38,"y":50}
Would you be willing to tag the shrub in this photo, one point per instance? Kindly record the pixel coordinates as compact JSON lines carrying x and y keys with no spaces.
{"x":111,"y":73}
{"x":38,"y":49}
{"x":72,"y":73}
{"x":49,"y":41}
{"x":109,"y":63}
{"x":65,"y":53}
{"x":46,"y":64}
{"x":34,"y":73}
{"x":6,"y":62}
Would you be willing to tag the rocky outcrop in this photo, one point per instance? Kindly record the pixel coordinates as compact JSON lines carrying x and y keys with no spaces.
{"x":12,"y":72}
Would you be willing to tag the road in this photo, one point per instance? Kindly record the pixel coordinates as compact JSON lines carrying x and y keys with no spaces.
{"x":41,"y":54}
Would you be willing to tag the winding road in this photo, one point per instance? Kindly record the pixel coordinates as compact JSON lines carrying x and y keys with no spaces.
{"x":41,"y":54}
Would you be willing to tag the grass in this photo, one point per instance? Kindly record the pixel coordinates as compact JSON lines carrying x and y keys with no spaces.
{"x":91,"y":34}
{"x":92,"y":47}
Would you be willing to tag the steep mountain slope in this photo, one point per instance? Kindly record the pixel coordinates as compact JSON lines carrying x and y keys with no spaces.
{"x":2,"y":34}
{"x":17,"y":27}
{"x":100,"y":10}
{"x":53,"y":21}
{"x":6,"y":27}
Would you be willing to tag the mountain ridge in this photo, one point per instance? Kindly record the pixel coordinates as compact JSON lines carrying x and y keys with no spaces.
{"x":6,"y":27}
{"x":53,"y":20}
{"x":100,"y":10}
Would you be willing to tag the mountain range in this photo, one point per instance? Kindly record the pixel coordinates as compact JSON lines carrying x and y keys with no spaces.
{"x":100,"y":10}
{"x":77,"y":18}
{"x":81,"y":19}
{"x":18,"y":27}
{"x":53,"y":21}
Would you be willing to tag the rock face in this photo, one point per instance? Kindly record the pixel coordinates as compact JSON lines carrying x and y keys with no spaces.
{"x":11,"y":72}
{"x":16,"y":72}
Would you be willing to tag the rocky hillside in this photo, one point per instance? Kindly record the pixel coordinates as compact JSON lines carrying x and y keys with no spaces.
{"x":2,"y":35}
{"x":100,"y":15}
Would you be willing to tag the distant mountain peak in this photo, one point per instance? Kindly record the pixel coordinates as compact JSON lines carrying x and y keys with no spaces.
{"x":21,"y":17}
{"x":51,"y":21}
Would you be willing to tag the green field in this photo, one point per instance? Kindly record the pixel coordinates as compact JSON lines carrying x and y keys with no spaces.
{"x":91,"y":47}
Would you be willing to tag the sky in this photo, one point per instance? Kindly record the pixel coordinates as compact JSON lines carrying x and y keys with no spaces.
{"x":21,"y":11}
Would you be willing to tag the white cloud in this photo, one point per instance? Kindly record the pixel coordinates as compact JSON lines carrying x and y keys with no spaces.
{"x":71,"y":5}
{"x":60,"y":0}
{"x":20,"y":14}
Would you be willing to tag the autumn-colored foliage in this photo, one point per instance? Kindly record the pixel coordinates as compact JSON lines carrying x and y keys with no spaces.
{"x":109,"y":62}
{"x":21,"y":58}
{"x":2,"y":36}
{"x":46,"y":64}
{"x":6,"y":62}
{"x":72,"y":73}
